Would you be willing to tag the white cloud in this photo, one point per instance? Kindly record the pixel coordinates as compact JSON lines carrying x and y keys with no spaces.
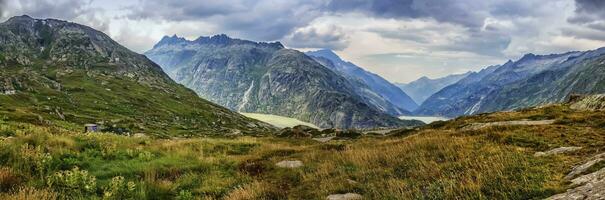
{"x":398,"y":39}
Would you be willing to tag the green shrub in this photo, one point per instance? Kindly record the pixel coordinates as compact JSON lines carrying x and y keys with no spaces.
{"x":184,"y":195}
{"x":33,"y":160}
{"x":73,"y":182}
{"x":119,"y":189}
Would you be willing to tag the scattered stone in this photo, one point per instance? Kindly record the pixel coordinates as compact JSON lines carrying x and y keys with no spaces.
{"x":476,"y":126}
{"x":557,"y":151}
{"x":324,"y":139}
{"x":9,"y":92}
{"x":139,"y":135}
{"x":347,"y":196}
{"x":350,"y":181}
{"x":582,"y":168}
{"x":593,"y":188}
{"x":289,"y":164}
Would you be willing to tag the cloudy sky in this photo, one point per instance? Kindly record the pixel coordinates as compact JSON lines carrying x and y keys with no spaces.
{"x":398,"y":39}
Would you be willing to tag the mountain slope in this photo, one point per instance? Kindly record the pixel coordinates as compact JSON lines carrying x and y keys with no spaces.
{"x":421,"y":89}
{"x":584,"y":73}
{"x":266,"y":78}
{"x":375,"y":89}
{"x":532,"y":80}
{"x":53,"y":71}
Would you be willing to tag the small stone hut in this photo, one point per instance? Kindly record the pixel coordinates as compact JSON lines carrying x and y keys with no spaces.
{"x":90,"y":128}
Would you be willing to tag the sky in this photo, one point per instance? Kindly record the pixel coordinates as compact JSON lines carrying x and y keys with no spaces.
{"x":400,"y":40}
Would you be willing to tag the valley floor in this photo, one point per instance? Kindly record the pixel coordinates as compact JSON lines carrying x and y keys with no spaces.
{"x":278,"y":121}
{"x":442,"y":160}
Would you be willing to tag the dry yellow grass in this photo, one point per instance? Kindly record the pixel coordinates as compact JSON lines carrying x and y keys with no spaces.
{"x":439,"y":161}
{"x":30,"y":193}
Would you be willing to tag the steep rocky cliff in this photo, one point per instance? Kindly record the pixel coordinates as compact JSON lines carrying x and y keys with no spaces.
{"x":267,"y":78}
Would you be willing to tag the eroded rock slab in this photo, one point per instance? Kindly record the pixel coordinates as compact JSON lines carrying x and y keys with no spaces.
{"x":582,"y":168}
{"x":324,"y":139}
{"x":289,"y":164}
{"x":555,"y":151}
{"x":476,"y":126}
{"x":347,"y":196}
{"x":592,"y":188}
{"x":592,"y":102}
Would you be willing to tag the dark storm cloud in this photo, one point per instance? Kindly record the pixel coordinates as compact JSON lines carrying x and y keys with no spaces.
{"x":588,"y":11}
{"x":60,"y":9}
{"x":185,"y":10}
{"x":311,"y":37}
{"x":482,"y":43}
{"x":271,"y":20}
{"x":591,"y":15}
{"x":284,"y":20}
{"x":259,"y":20}
{"x":460,"y":12}
{"x":591,"y":6}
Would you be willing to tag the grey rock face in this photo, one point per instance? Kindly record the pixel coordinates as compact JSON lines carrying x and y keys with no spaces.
{"x":375,"y":90}
{"x":530,"y":81}
{"x":583,"y":167}
{"x":590,"y":186}
{"x":592,"y":102}
{"x":262,"y":77}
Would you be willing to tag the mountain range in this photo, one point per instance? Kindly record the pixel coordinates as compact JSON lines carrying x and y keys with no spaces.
{"x":530,"y":81}
{"x":260,"y":77}
{"x":375,"y":89}
{"x":422,"y":88}
{"x":67,"y":74}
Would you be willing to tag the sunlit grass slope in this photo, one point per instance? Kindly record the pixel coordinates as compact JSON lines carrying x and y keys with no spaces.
{"x":438,"y":161}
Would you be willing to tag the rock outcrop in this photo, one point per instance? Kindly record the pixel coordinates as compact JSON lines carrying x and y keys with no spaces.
{"x":556,"y":151}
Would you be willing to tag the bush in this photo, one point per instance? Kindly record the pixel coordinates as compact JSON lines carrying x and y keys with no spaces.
{"x":184,"y":195}
{"x":72,"y":182}
{"x":119,"y":189}
{"x":34,"y":159}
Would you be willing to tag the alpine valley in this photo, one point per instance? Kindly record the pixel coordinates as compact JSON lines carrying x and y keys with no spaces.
{"x":259,"y":77}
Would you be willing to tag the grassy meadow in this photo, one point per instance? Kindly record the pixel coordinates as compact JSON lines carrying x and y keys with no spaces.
{"x":438,"y":161}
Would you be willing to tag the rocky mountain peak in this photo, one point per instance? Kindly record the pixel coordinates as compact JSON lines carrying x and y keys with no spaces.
{"x":326,"y":53}
{"x":21,"y":18}
{"x":169,"y":40}
{"x":529,"y":56}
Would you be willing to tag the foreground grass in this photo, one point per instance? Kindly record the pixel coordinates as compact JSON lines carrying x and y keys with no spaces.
{"x":438,"y":161}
